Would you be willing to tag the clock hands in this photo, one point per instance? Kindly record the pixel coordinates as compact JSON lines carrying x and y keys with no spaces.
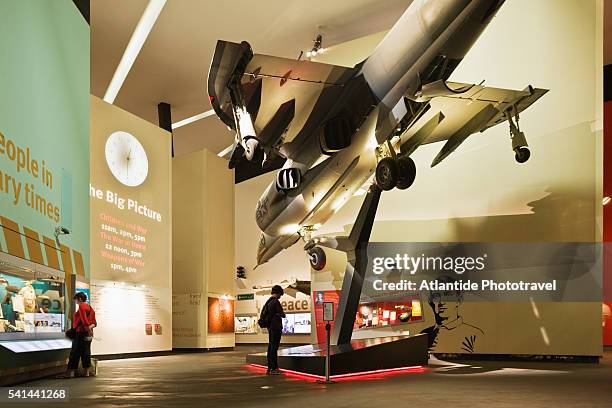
{"x":128,"y":163}
{"x":122,"y":152}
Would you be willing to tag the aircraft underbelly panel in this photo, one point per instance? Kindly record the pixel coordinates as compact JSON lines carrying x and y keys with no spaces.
{"x":311,"y":199}
{"x":329,"y":188}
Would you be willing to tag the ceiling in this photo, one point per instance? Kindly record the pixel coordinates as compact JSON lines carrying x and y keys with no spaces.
{"x":173,"y":64}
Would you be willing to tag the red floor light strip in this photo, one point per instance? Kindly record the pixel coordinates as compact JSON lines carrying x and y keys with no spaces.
{"x":361,"y":374}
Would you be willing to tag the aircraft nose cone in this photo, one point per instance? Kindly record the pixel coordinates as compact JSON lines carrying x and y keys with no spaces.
{"x":262,"y":251}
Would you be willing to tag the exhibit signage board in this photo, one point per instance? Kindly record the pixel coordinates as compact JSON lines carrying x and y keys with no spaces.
{"x":247,"y":296}
{"x":220,"y":315}
{"x":188,"y":320}
{"x":130,"y":196}
{"x":320,"y":298}
{"x":131,"y":318}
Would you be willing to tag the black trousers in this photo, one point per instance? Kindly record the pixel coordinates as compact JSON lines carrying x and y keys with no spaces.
{"x":274,"y":338}
{"x":81,"y":350}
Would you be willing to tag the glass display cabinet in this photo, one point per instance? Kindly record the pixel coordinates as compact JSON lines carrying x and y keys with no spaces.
{"x":32,"y":302}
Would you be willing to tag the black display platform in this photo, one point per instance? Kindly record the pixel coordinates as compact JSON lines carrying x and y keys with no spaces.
{"x":355,"y":357}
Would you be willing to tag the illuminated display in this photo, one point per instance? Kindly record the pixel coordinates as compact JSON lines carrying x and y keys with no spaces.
{"x":296,"y":323}
{"x":245,"y":324}
{"x":130,"y":201}
{"x":378,"y":314}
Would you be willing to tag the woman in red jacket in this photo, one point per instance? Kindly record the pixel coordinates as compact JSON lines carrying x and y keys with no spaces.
{"x":83,"y":322}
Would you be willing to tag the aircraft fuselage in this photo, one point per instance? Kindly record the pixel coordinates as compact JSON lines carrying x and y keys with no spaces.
{"x":425,"y":45}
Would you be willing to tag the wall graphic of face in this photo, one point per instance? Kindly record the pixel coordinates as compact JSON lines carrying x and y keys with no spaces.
{"x":445,"y":305}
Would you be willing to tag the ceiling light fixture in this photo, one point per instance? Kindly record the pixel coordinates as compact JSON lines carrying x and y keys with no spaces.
{"x":139,"y":36}
{"x":316,"y":48}
{"x":192,"y":119}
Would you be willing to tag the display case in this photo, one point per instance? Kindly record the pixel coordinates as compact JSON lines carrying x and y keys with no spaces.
{"x":32,"y":302}
{"x":389,"y":313}
{"x":245,"y":324}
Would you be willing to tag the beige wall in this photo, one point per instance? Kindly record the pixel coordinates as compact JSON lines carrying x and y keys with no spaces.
{"x":480,"y":193}
{"x":203,"y":245}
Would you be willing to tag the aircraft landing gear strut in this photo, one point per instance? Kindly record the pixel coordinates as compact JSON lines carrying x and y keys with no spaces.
{"x":395,"y":171}
{"x":519,"y":142}
{"x":356,"y":248}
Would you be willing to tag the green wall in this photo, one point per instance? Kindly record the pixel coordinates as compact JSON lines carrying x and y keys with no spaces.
{"x":44,"y":106}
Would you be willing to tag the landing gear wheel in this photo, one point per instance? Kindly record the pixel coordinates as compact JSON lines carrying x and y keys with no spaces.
{"x":387,"y":173}
{"x":522,"y":154}
{"x":317,"y":258}
{"x":407,"y":172}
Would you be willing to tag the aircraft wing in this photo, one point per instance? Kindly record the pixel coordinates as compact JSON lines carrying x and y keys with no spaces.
{"x":461,"y":111}
{"x":280,"y":93}
{"x":290,"y":291}
{"x":290,"y":85}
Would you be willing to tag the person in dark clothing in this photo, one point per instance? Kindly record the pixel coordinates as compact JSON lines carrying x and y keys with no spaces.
{"x":275,"y":314}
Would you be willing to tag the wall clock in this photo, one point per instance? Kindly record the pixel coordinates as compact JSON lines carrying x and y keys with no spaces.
{"x":126,"y":159}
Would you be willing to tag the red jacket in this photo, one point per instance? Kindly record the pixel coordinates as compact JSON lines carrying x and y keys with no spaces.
{"x":83,"y":317}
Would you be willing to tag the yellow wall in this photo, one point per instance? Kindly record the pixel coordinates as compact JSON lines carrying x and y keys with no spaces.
{"x":203,"y":245}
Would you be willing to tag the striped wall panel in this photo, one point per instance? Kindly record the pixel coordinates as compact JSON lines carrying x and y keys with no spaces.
{"x":41,"y":251}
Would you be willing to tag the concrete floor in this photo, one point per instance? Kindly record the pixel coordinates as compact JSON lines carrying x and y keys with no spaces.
{"x":221,"y":379}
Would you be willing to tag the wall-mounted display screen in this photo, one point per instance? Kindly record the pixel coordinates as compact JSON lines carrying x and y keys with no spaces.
{"x":245,"y":324}
{"x":378,"y":314}
{"x":297,"y":323}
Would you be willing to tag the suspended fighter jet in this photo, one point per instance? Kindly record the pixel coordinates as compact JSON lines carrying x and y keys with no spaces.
{"x":337,"y":126}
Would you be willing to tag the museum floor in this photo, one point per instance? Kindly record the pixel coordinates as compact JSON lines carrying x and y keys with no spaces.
{"x":221,"y":379}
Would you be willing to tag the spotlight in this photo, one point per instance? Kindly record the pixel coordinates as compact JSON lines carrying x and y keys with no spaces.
{"x":606,"y":200}
{"x":59,"y":230}
{"x":318,"y":42}
{"x":316,"y":48}
{"x":62,"y":231}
